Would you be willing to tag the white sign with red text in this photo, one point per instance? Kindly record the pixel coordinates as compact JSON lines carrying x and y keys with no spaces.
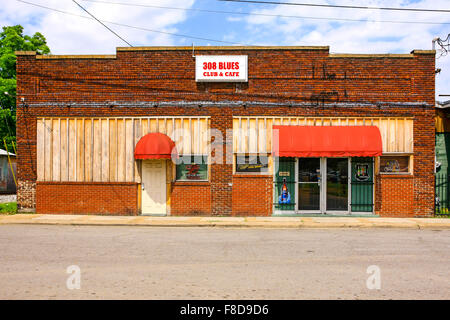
{"x":221,"y":68}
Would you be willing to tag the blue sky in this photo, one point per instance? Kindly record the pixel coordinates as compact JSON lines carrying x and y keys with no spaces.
{"x":68,"y":34}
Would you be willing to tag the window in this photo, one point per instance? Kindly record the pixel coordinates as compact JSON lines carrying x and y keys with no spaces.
{"x":252,"y":164}
{"x":394,"y":164}
{"x":192,"y":168}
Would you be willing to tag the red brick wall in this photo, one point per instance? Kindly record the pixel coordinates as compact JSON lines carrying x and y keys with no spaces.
{"x":87,"y":198}
{"x":315,"y":82}
{"x":252,"y":195}
{"x":190,"y":198}
{"x":397,"y":196}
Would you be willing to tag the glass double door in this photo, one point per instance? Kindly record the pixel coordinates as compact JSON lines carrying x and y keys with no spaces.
{"x":323,"y":185}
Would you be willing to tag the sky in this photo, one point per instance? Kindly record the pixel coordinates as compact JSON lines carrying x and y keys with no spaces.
{"x":72,"y":34}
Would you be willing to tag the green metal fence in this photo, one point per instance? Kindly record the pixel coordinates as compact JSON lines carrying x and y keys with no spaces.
{"x":442,"y":200}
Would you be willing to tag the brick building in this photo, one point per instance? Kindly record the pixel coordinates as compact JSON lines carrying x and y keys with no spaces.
{"x":226,"y":131}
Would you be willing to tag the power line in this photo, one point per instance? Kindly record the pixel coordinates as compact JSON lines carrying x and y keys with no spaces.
{"x":338,"y":6}
{"x":264,"y":14}
{"x":134,"y":27}
{"x":102,"y":23}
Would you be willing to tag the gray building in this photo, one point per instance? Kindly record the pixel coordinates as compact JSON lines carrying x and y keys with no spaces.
{"x":7,"y":183}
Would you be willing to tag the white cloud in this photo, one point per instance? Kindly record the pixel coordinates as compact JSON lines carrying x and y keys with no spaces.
{"x":355,"y":37}
{"x":74,"y":35}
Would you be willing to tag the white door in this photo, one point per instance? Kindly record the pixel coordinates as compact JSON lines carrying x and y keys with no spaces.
{"x":153,"y":187}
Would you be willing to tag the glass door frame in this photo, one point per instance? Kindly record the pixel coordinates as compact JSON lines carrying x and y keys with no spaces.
{"x":297,"y":184}
{"x":323,"y":189}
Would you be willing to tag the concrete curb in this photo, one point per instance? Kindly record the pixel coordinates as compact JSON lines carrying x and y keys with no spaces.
{"x":227,"y":222}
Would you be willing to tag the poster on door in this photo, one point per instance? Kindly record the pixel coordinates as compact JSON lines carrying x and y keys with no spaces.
{"x":362,"y":172}
{"x":285,"y":196}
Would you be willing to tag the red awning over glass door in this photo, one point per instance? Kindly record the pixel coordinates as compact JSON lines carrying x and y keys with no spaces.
{"x":326,"y":141}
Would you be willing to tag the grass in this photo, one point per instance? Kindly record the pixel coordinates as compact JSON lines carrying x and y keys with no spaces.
{"x":442,"y":212}
{"x":442,"y":216}
{"x":8,"y":208}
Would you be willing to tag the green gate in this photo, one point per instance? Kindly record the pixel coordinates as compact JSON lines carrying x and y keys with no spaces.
{"x":362,"y":185}
{"x":284,"y":174}
{"x":442,"y":185}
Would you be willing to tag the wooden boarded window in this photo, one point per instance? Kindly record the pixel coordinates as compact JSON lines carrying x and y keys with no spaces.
{"x":254,"y":134}
{"x":102,"y":149}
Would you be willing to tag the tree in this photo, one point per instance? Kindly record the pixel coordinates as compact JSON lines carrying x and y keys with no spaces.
{"x":12,"y":39}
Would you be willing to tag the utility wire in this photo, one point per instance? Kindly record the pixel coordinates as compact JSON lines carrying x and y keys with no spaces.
{"x":103,"y":24}
{"x":134,"y":27}
{"x":338,"y":6}
{"x":262,"y":14}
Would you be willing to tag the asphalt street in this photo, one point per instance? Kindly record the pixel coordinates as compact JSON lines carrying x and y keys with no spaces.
{"x":221,"y":263}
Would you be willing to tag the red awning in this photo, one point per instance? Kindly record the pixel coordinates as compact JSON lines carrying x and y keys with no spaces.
{"x":155,"y":146}
{"x":327,"y":141}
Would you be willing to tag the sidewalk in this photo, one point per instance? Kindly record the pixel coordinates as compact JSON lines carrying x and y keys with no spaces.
{"x":234,"y":222}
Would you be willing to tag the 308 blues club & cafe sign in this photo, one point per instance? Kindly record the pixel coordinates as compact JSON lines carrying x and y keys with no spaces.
{"x":221,"y":68}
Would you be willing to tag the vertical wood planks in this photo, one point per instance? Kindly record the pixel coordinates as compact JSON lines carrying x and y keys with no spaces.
{"x":178,"y":135}
{"x":80,"y":150}
{"x":268,"y":122}
{"x":384,"y":133}
{"x":64,"y":150}
{"x":97,"y":159}
{"x":204,"y":136}
{"x":113,"y":150}
{"x":186,"y":139}
{"x":88,"y":150}
{"x":137,"y":137}
{"x":56,"y":150}
{"x":252,"y":137}
{"x":262,"y":137}
{"x":102,"y":149}
{"x":121,"y":150}
{"x":72,"y":150}
{"x":409,"y":141}
{"x":48,"y":149}
{"x":244,"y":138}
{"x":105,"y":150}
{"x":92,"y":149}
{"x":40,"y":149}
{"x":396,"y":133}
{"x":129,"y":149}
{"x":195,"y":145}
{"x":392,"y":135}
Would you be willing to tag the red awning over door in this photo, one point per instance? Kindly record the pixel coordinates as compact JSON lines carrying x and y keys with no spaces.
{"x":155,"y":146}
{"x":327,"y":141}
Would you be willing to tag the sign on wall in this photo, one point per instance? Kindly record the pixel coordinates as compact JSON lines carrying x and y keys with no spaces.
{"x":221,"y":68}
{"x":252,"y":163}
{"x":192,"y":171}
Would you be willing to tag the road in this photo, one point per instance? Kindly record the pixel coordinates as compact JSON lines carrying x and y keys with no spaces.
{"x":222,"y":263}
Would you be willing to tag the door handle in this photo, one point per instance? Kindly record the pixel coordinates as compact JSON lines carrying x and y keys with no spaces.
{"x":143,"y":186}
